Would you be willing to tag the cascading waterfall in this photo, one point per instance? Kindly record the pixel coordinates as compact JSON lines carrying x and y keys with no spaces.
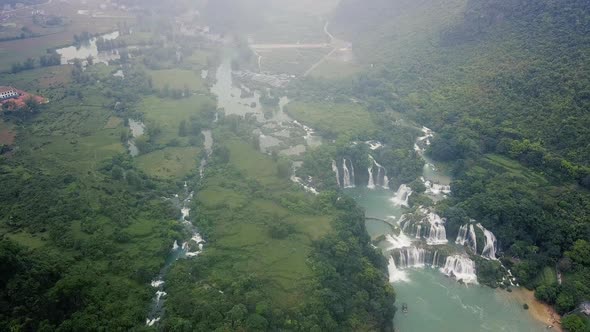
{"x":371,"y":184}
{"x":461,"y":268}
{"x":435,"y":189}
{"x":489,"y":249}
{"x":462,"y":235}
{"x":402,"y":195}
{"x":437,"y":233}
{"x":394,"y":273}
{"x":348,"y":177}
{"x":335,"y":170}
{"x":466,"y":237}
{"x":188,"y":249}
{"x":430,"y":227}
{"x":414,"y":257}
{"x":411,"y":257}
{"x":381,"y":179}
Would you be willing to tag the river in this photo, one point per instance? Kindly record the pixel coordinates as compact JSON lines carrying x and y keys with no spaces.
{"x":83,"y":51}
{"x":436,"y":302}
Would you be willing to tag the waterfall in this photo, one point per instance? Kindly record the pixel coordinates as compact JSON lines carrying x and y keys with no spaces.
{"x":399,"y":241}
{"x":489,"y":249}
{"x":335,"y":170}
{"x":430,"y":227}
{"x":402,"y":195}
{"x":414,"y":257}
{"x":461,"y":268}
{"x":437,"y":233}
{"x":466,"y":237}
{"x":394,"y":273}
{"x":381,"y":179}
{"x":371,"y":184}
{"x":411,"y":257}
{"x":462,"y":235}
{"x":435,"y":188}
{"x":348,"y":177}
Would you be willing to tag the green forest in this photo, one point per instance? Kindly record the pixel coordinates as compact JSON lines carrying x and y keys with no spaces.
{"x":90,"y":215}
{"x":505,"y":85}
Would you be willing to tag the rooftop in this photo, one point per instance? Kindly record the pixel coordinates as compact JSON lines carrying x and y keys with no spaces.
{"x":6,"y":89}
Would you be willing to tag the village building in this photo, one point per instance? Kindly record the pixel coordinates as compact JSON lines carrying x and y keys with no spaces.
{"x":7,"y":92}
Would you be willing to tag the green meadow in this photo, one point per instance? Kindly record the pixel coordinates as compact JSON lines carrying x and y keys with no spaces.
{"x":170,"y":163}
{"x":240,"y":204}
{"x":168,"y":113}
{"x":333,"y":118}
{"x":178,"y":79}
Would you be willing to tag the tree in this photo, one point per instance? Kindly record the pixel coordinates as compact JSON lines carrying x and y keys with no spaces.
{"x":31,"y":104}
{"x":547,"y":293}
{"x":574,"y":323}
{"x":565,"y":302}
{"x":117,"y":172}
{"x":580,"y":253}
{"x":236,"y":314}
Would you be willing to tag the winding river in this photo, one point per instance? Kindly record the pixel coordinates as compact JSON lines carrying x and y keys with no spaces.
{"x":437,"y":302}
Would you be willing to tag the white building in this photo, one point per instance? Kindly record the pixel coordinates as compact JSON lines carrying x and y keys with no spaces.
{"x":7,"y":92}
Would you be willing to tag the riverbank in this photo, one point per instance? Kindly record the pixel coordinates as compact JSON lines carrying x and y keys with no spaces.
{"x":540,"y":311}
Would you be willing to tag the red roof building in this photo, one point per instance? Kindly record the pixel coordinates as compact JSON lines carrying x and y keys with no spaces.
{"x":7,"y":92}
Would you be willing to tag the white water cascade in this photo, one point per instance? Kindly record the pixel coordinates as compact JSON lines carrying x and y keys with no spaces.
{"x":371,"y":184}
{"x":381,"y":178}
{"x":430,"y":227}
{"x":348,"y":175}
{"x":435,"y":189}
{"x":411,"y":257}
{"x":461,"y":268}
{"x":414,"y":257}
{"x":188,"y":249}
{"x":402,"y":195}
{"x":335,"y":170}
{"x":394,"y":273}
{"x":466,"y":237}
{"x":489,"y":249}
{"x":437,"y":234}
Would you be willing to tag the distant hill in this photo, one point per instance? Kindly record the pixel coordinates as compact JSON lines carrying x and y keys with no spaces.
{"x":520,"y":66}
{"x":497,"y":80}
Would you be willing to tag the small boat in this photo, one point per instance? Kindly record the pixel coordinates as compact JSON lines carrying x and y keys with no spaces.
{"x":405,"y":308}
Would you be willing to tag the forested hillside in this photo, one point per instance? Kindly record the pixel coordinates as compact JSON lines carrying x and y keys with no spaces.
{"x":505,"y":84}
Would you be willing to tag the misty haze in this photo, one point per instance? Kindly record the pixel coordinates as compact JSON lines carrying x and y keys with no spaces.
{"x":295,"y":165}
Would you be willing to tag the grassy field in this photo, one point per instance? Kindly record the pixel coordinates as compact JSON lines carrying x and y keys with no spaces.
{"x":170,"y":163}
{"x":513,"y":167}
{"x":336,"y":69}
{"x":168,"y":113}
{"x":332,"y":118}
{"x":240,"y":223}
{"x":178,"y":79}
{"x":40,"y":78}
{"x":76,"y":134}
